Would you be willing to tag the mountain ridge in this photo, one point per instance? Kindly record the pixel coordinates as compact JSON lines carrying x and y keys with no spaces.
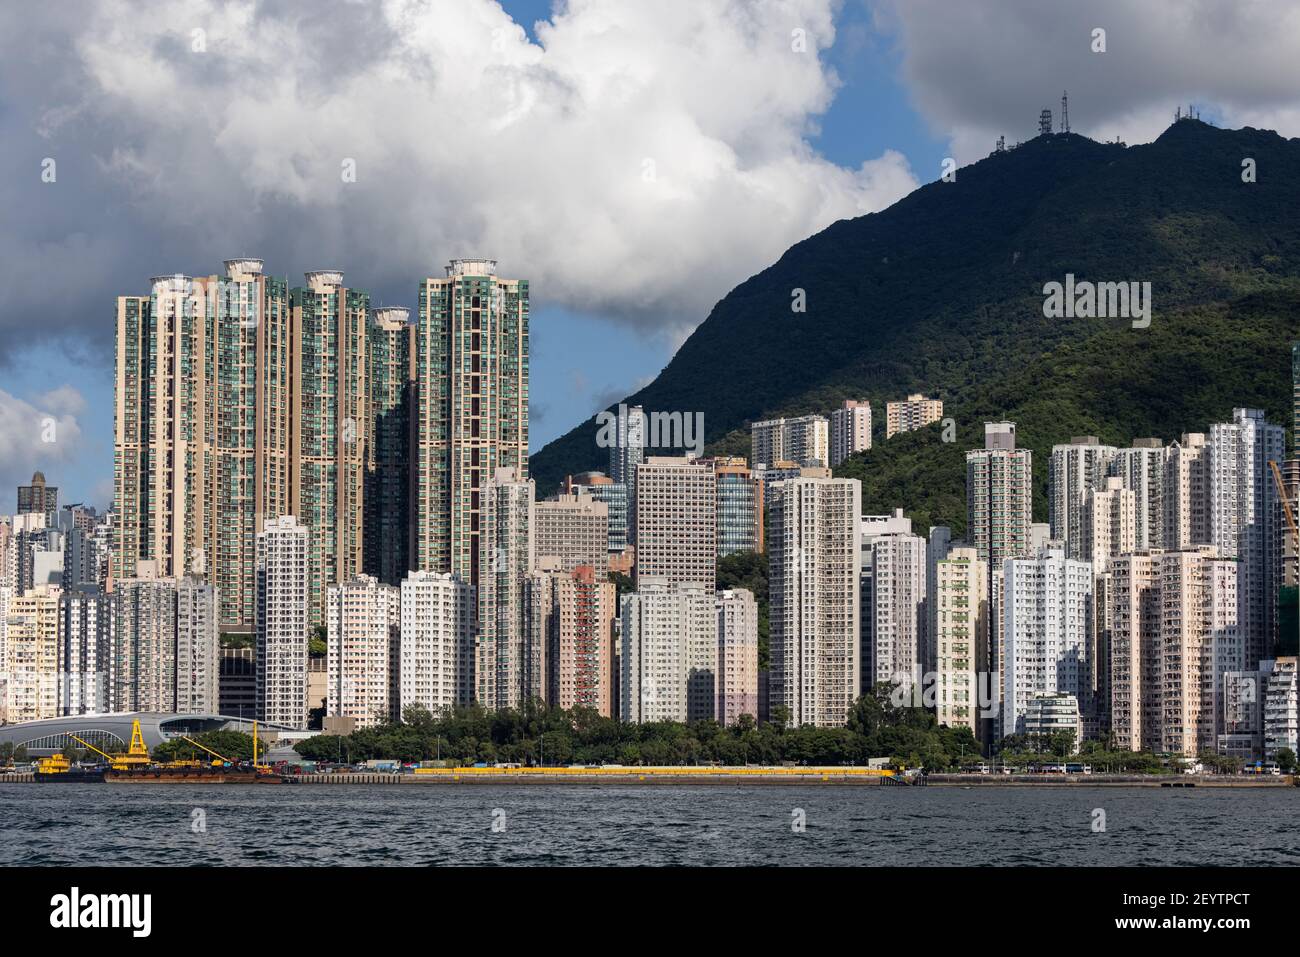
{"x":942,"y":293}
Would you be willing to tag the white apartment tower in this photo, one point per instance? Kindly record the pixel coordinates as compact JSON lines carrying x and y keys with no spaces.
{"x":198,"y":646}
{"x":1187,"y":492}
{"x":363,"y":639}
{"x":436,"y":650}
{"x":850,"y":430}
{"x":669,"y":651}
{"x":143,"y":667}
{"x":893,"y":596}
{"x":814,"y":570}
{"x":85,"y":651}
{"x":1047,"y":612}
{"x":804,"y":440}
{"x":281,"y":622}
{"x":1244,"y":520}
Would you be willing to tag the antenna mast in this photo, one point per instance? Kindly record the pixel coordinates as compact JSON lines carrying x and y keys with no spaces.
{"x":1065,"y":111}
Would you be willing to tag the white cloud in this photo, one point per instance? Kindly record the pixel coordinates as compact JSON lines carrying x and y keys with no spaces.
{"x":983,"y":68}
{"x":38,"y":436}
{"x":636,"y":162}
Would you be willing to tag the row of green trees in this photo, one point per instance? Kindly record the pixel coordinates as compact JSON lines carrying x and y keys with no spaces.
{"x":535,"y":734}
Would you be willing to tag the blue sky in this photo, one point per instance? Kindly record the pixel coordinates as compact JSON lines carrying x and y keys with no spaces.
{"x":473,"y":138}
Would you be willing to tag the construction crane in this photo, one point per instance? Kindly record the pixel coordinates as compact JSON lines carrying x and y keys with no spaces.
{"x":221,"y":761}
{"x":1286,"y":502}
{"x":136,"y":756}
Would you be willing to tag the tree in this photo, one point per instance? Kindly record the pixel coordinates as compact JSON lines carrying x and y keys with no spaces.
{"x":1286,"y":760}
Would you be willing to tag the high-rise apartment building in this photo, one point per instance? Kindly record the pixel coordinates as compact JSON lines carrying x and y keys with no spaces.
{"x":850,"y":430}
{"x":506,"y":539}
{"x":999,"y":496}
{"x":143,"y":666}
{"x":1281,"y":720}
{"x":814,"y":572}
{"x":362,"y":635}
{"x":31,"y":691}
{"x":676,"y":521}
{"x":330,"y":430}
{"x":893,"y":596}
{"x":581,"y":649}
{"x":1073,"y":471}
{"x":740,"y":507}
{"x":669,"y":637}
{"x":1047,"y":625}
{"x":1142,"y":469}
{"x":615,"y":496}
{"x":627,"y":452}
{"x":937,"y":547}
{"x":85,"y":653}
{"x":436,"y":671}
{"x":390,"y":371}
{"x":281,"y":622}
{"x":961,"y":604}
{"x":37,"y":497}
{"x":573,"y":529}
{"x":1109,"y":523}
{"x":1187,"y":495}
{"x":737,"y":671}
{"x":916,"y":412}
{"x":1244,"y":520}
{"x":804,"y":440}
{"x":198,"y":647}
{"x":206,"y":396}
{"x":471,"y":408}
{"x":1174,"y":640}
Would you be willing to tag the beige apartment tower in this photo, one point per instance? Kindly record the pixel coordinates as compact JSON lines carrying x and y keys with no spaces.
{"x":915,"y":412}
{"x":1174,"y":638}
{"x":676,"y":521}
{"x":961,"y":639}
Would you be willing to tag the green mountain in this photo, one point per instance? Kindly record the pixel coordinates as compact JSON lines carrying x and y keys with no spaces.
{"x":943,"y":293}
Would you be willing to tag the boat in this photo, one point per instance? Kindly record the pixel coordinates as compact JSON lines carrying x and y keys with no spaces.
{"x":165,"y":774}
{"x":57,"y":769}
{"x":136,"y":767}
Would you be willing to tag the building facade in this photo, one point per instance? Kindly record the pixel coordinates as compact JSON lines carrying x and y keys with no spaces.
{"x":676,"y":521}
{"x":362,"y":638}
{"x":814,"y":580}
{"x":915,"y":412}
{"x":281,"y":622}
{"x":471,"y":409}
{"x":850,"y":430}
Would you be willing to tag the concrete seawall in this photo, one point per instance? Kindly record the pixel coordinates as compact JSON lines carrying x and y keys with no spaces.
{"x":533,"y":776}
{"x":1109,"y":780}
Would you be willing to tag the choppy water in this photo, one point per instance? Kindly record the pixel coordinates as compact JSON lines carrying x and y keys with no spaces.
{"x":657,"y":825}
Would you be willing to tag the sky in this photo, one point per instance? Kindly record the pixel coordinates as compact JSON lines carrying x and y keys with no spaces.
{"x":634,"y":161}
